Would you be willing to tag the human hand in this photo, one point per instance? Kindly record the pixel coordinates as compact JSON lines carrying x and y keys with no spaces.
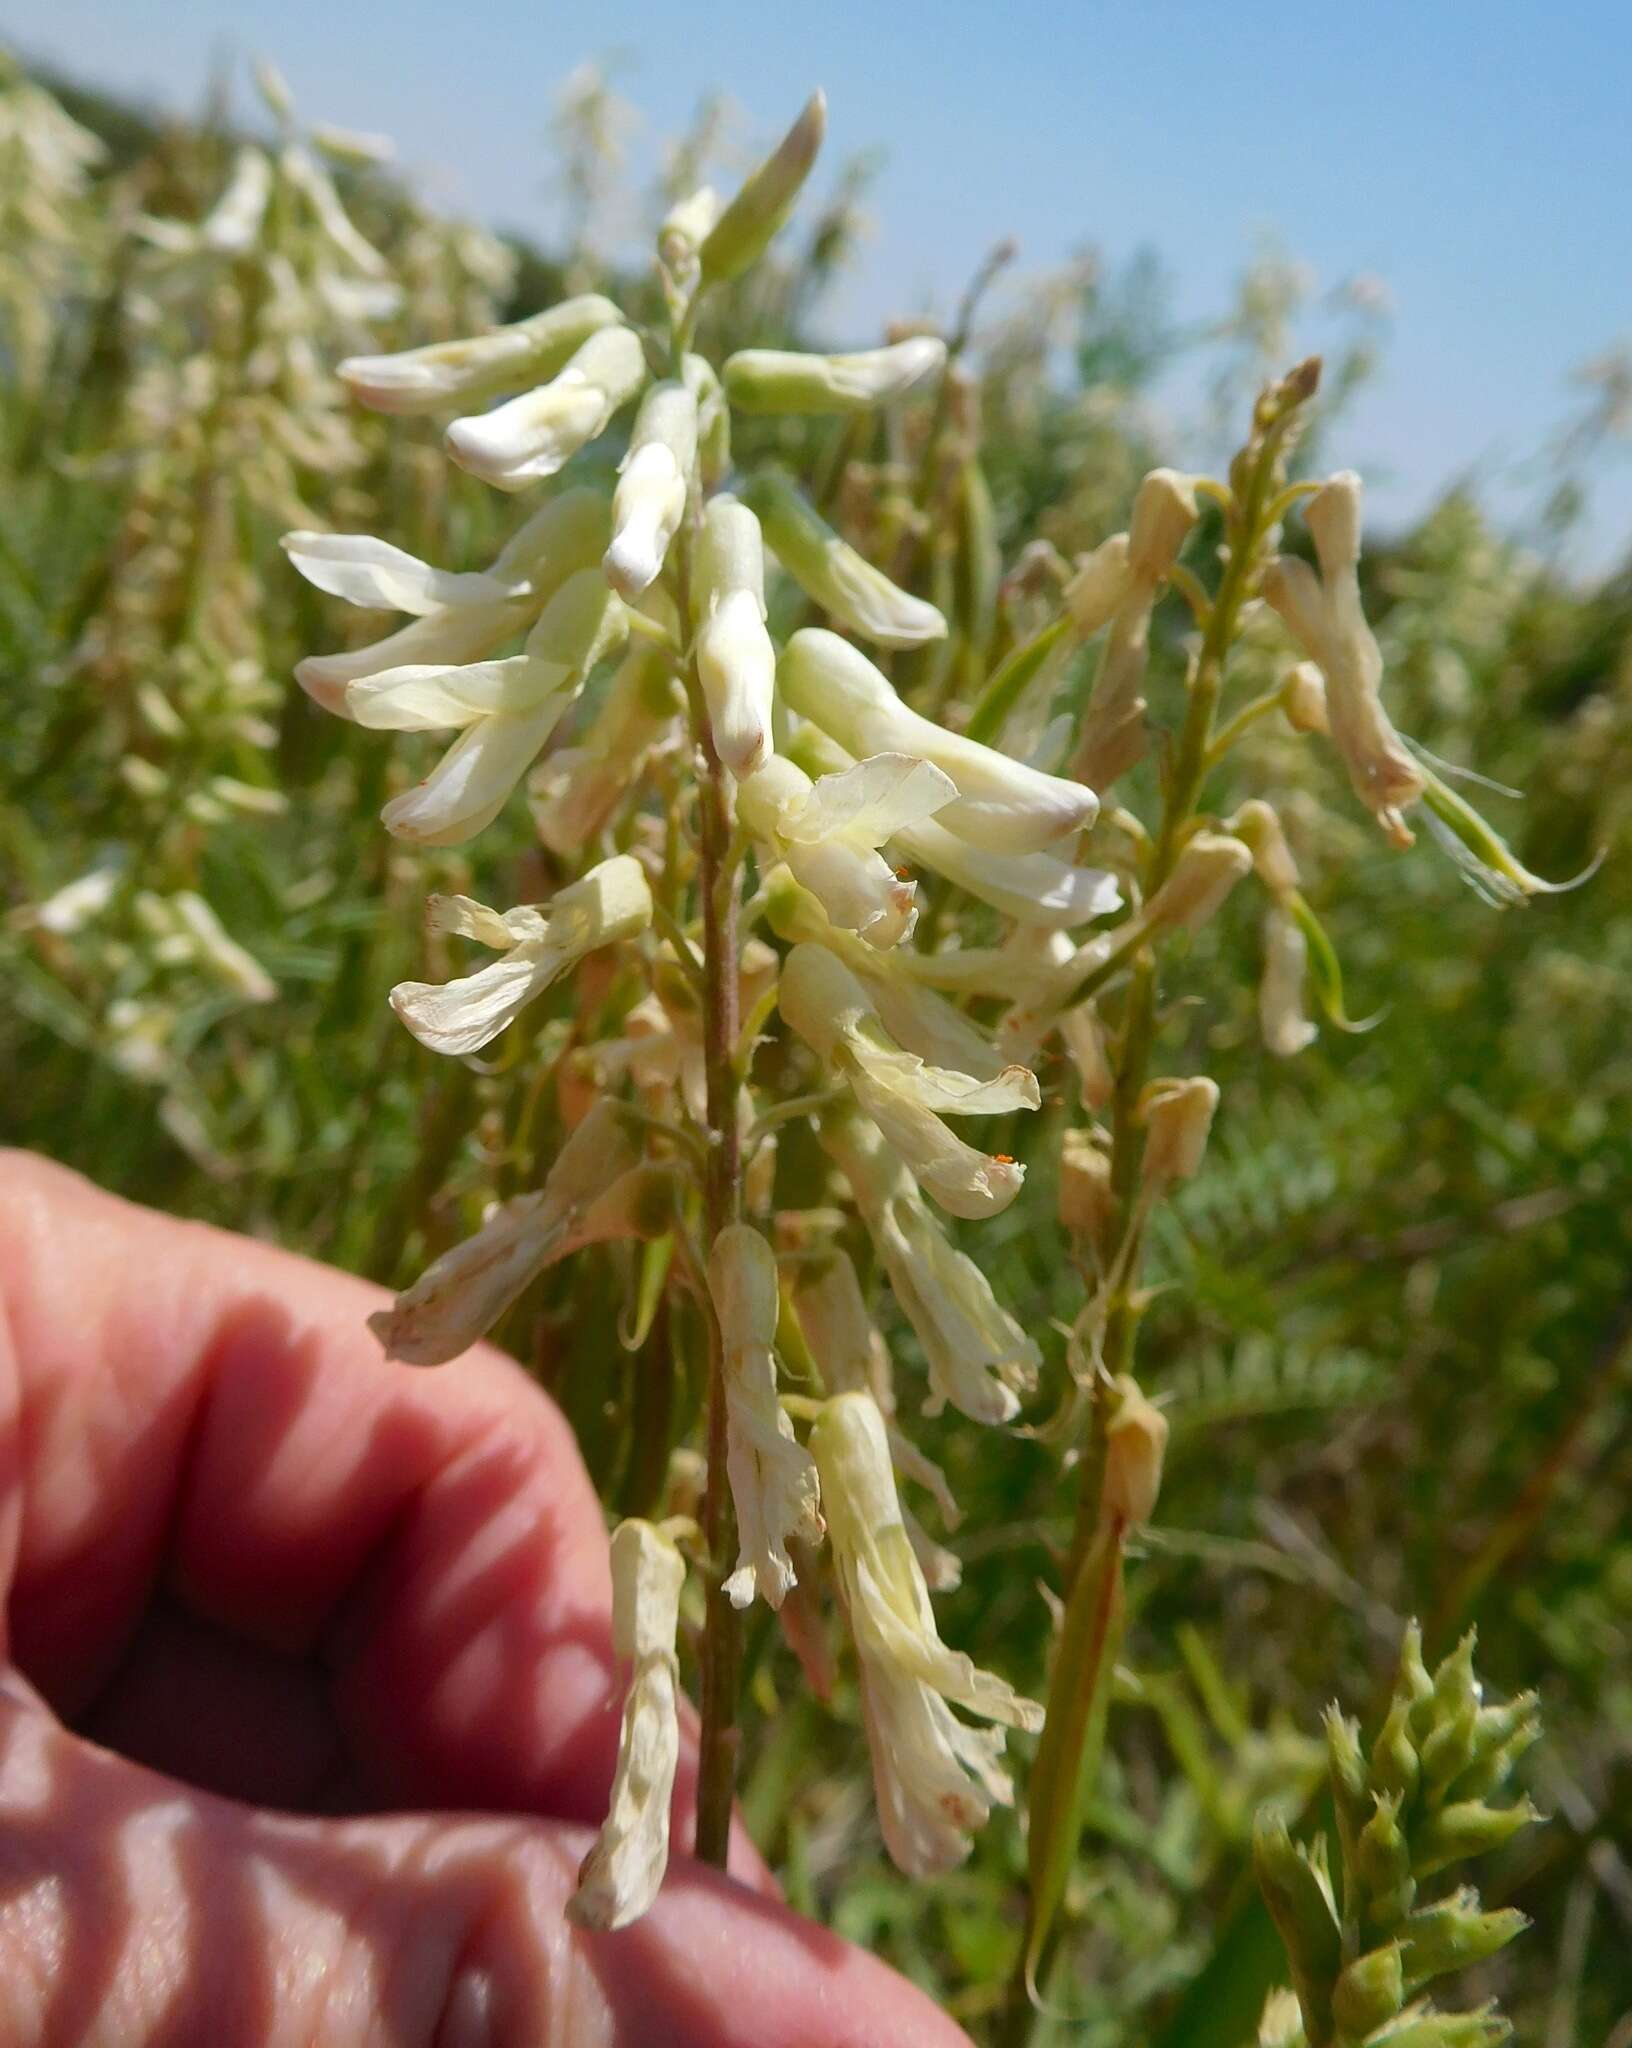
{"x":298,"y":1645}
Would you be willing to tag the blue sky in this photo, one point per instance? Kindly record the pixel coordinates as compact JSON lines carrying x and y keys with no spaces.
{"x":1476,"y":156}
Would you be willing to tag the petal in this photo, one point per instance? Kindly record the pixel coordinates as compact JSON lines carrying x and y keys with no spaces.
{"x":1035,"y":888}
{"x":467,"y":788}
{"x":370,"y":572}
{"x":964,"y":1181}
{"x":872,"y":800}
{"x":425,"y":698}
{"x":457,"y":634}
{"x":462,"y":1016}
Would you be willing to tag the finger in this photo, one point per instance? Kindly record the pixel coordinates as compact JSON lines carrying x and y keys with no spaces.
{"x":132,"y":1914}
{"x":193,"y":1412}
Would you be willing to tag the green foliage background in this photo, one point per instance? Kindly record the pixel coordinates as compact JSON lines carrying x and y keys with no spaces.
{"x":1397,"y":1339}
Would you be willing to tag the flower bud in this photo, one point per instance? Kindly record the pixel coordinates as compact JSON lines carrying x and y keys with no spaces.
{"x":1299,"y":1905}
{"x":421,"y":380}
{"x":832,"y":574}
{"x":1177,"y":1115}
{"x":1469,"y":1828}
{"x":772,"y":380}
{"x":1207,"y":869}
{"x":744,"y":230}
{"x":1099,"y":588}
{"x":686,"y":226}
{"x":1303,"y":699}
{"x":735,"y":658}
{"x":650,"y":500}
{"x":1083,"y":1033}
{"x":1370,"y":1990}
{"x":1164,"y":510}
{"x":1087,"y":1205}
{"x":1135,"y":1441}
{"x":1453,"y":1934}
{"x":1259,"y":828}
{"x":532,"y":436}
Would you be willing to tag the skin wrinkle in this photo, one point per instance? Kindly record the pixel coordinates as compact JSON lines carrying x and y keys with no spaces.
{"x":138,"y":1911}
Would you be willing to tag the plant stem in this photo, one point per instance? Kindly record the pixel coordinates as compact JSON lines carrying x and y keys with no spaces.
{"x":722,"y":1202}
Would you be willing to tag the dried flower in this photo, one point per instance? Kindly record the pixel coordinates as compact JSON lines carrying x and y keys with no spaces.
{"x":936,"y":1779}
{"x":773,"y":1480}
{"x":620,"y":1877}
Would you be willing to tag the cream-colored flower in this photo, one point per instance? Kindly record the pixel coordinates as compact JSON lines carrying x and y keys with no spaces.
{"x":531,"y":437}
{"x":1208,"y":867}
{"x":774,"y":380}
{"x":1323,"y":614}
{"x":463,"y":617}
{"x":936,"y":1779}
{"x":773,"y":1478}
{"x":853,"y":1358}
{"x":538,"y":944}
{"x":449,"y":373}
{"x":736,"y":661}
{"x":653,"y":480}
{"x":620,"y":1877}
{"x":978,"y":1356}
{"x":829,"y":832}
{"x":1032,"y":888}
{"x":914,"y":1014}
{"x":1002,"y":805}
{"x":507,"y":709}
{"x":903,"y":1093}
{"x":461,"y":1295}
{"x":832,"y":574}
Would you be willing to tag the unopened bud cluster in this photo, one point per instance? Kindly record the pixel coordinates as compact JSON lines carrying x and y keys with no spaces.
{"x":1365,"y":1941}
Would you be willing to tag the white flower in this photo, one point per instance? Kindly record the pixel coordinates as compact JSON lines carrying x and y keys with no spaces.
{"x":978,"y":1356}
{"x":461,"y":1295}
{"x":1286,"y":1027}
{"x":575,"y":790}
{"x":833,"y":575}
{"x":1033,"y":888}
{"x":234,"y":222}
{"x":532,"y":436}
{"x":936,"y":1779}
{"x":912,"y":1012}
{"x":773,"y":1479}
{"x":903,"y":1094}
{"x":186,"y":932}
{"x":465,"y":617}
{"x":773,"y":380}
{"x":1258,"y":826}
{"x":650,"y":501}
{"x":316,"y":187}
{"x":1002,"y":805}
{"x":620,"y":1877}
{"x":69,"y":909}
{"x":420,"y":380}
{"x":736,"y":662}
{"x":829,"y":833}
{"x":1323,"y":614}
{"x":508,"y":709}
{"x":538,"y":944}
{"x":373,"y":573}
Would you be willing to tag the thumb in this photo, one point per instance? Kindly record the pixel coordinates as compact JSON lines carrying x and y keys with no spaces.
{"x":135,"y":1910}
